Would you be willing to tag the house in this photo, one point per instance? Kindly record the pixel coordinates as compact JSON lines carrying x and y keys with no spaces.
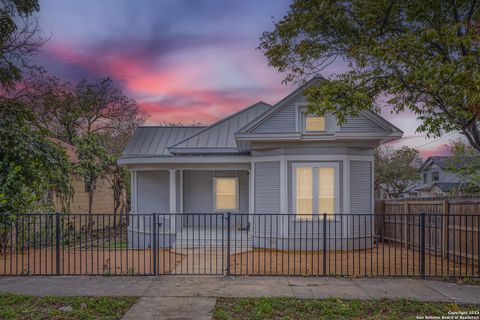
{"x":436,"y":180}
{"x":102,"y":197}
{"x":264,"y":159}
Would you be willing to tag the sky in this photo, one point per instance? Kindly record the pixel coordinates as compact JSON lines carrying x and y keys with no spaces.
{"x":183,"y":61}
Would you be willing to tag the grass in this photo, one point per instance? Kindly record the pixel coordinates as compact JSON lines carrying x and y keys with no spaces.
{"x":291,"y":308}
{"x":14,"y":306}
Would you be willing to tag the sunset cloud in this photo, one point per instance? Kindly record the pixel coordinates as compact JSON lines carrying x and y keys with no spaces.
{"x":182,"y":61}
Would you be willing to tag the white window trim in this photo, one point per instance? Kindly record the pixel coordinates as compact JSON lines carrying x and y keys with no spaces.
{"x":336,"y":193}
{"x":237,"y":209}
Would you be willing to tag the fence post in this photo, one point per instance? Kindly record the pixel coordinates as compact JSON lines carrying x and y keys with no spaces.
{"x":406,"y":212}
{"x":57,"y":242}
{"x":422,"y":244}
{"x":154,"y":243}
{"x":324,"y":244}
{"x":228,"y":243}
{"x":445,"y":222}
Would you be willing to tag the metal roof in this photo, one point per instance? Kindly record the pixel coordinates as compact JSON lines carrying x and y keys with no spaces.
{"x":155,"y":140}
{"x":220,"y":136}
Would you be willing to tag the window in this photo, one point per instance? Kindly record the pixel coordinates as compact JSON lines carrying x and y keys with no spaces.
{"x":424,"y":177}
{"x":304,"y":191}
{"x":315,"y":190}
{"x":435,"y":176}
{"x":314,"y":123}
{"x":226,"y":193}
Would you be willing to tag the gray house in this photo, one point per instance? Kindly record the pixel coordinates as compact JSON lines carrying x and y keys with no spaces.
{"x":264,"y":159}
{"x":436,"y":180}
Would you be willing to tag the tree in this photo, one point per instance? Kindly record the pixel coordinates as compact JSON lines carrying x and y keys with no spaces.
{"x":397,"y":170}
{"x":30,"y":165}
{"x":104,"y":108}
{"x":421,"y":55}
{"x":465,"y":164}
{"x":71,"y":111}
{"x":54,"y":103}
{"x":94,"y":163}
{"x":18,"y":39}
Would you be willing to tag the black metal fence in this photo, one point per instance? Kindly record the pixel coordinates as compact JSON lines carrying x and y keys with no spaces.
{"x":348,"y":245}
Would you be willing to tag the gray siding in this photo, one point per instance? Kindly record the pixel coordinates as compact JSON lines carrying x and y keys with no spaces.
{"x":281,"y":121}
{"x":444,"y":176}
{"x":267,"y":198}
{"x":153,"y":191}
{"x":360,"y":124}
{"x":361,"y":195}
{"x":198,"y":194}
{"x":288,"y":120}
{"x":267,"y":187}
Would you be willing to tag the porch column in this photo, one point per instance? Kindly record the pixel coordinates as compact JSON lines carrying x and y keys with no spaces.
{"x":173,"y":198}
{"x":284,"y":195}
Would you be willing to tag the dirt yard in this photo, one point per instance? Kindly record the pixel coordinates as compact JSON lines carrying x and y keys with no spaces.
{"x":92,"y":261}
{"x":384,"y":260}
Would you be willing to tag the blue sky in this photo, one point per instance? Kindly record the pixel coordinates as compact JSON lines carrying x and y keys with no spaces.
{"x":182,"y":60}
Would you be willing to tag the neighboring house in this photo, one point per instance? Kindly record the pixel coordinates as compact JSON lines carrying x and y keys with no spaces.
{"x":436,"y":180}
{"x":102,"y":197}
{"x":263,"y":159}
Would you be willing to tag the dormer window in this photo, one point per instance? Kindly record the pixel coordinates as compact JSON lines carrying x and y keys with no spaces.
{"x":314,"y":123}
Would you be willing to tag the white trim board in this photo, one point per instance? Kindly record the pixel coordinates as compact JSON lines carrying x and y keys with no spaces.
{"x":191,"y":159}
{"x":312,"y":158}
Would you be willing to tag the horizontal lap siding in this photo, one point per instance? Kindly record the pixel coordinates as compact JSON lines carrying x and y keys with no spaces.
{"x":198,"y":195}
{"x":267,"y":198}
{"x":282,"y":121}
{"x":360,"y":124}
{"x":267,"y":187}
{"x":153,"y":196}
{"x":153,"y":191}
{"x":360,"y":196}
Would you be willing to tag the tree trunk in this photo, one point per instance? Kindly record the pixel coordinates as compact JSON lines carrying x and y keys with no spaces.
{"x":90,"y":205}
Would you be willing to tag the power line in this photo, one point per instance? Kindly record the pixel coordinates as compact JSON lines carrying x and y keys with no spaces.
{"x":436,"y":140}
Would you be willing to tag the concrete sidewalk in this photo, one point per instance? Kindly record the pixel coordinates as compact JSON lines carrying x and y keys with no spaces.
{"x":169,"y":297}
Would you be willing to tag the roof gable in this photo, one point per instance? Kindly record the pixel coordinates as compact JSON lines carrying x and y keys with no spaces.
{"x":279,"y":106}
{"x":283,"y":119}
{"x":220,"y":136}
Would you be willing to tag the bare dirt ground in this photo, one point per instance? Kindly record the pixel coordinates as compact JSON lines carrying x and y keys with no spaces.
{"x":88,"y":262}
{"x":383,"y":260}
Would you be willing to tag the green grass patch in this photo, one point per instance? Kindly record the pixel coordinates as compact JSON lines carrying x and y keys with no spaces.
{"x":291,"y":308}
{"x":14,"y":306}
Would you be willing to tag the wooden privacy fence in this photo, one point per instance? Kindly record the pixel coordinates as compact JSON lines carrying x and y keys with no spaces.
{"x":451,"y":225}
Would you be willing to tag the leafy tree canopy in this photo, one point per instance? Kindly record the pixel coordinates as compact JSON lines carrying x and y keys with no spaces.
{"x":94,"y":162}
{"x":396,"y":170}
{"x":421,"y":55}
{"x":69,"y":110}
{"x":18,"y":38}
{"x":30,"y":165}
{"x":465,"y":164}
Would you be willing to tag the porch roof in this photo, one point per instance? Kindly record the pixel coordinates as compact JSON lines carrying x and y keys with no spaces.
{"x":153,"y":141}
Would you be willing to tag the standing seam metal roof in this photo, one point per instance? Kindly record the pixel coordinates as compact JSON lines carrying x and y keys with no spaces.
{"x":155,"y":140}
{"x":221,"y":135}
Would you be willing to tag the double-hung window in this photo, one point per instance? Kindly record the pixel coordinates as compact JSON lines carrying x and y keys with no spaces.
{"x":226,"y":193}
{"x":315,"y":189}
